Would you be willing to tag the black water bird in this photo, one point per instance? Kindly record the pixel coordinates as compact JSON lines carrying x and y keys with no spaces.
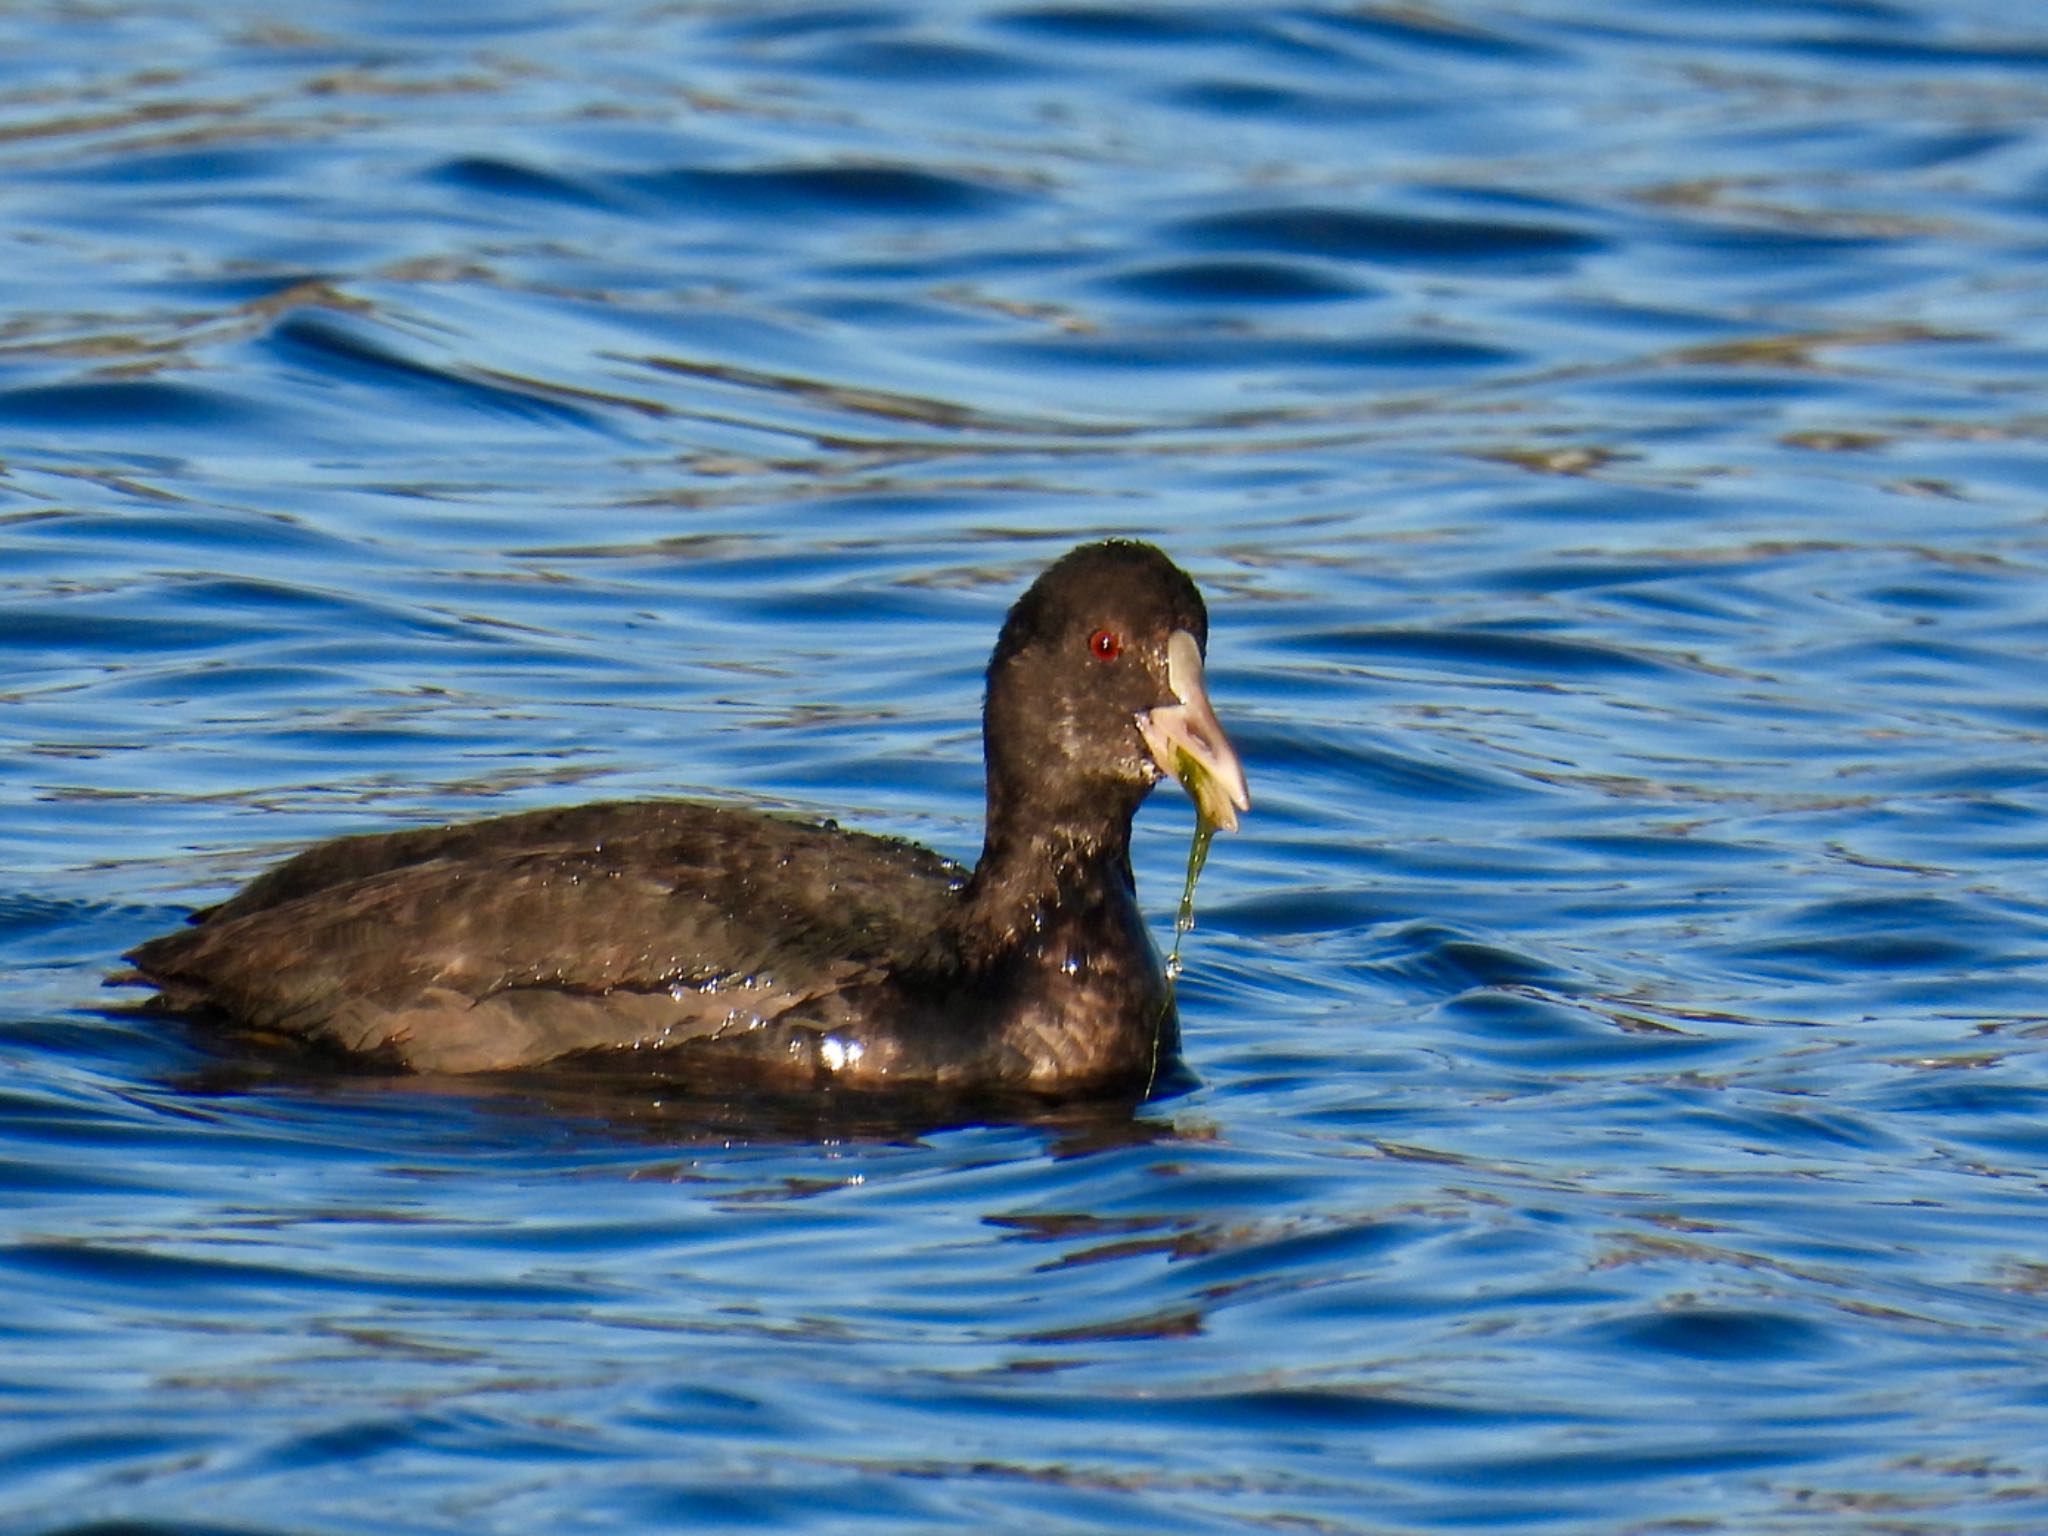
{"x":729,"y":944}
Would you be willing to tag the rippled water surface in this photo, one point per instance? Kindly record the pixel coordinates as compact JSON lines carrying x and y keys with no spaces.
{"x":1612,"y":438}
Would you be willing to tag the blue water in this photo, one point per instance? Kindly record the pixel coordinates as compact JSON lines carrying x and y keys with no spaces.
{"x":1611,"y":434}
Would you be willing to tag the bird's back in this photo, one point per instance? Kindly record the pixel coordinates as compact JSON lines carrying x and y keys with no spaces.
{"x":516,"y":940}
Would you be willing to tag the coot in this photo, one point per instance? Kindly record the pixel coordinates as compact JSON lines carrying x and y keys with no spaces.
{"x":727,"y":944}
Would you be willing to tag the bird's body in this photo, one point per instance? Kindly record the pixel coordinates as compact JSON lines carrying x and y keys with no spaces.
{"x":726,"y":944}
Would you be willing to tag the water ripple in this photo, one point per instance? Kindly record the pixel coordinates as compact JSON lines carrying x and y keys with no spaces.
{"x":1386,"y":239}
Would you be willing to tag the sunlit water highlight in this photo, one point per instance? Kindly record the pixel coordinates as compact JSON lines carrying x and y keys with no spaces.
{"x":1611,"y":439}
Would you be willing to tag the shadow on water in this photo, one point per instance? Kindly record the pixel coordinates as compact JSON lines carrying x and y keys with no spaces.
{"x":645,"y":1101}
{"x":641,"y":1105}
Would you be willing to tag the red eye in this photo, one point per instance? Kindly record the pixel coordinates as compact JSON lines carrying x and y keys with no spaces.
{"x":1106,"y":644}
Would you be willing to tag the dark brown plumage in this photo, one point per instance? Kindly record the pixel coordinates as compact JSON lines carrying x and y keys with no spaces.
{"x":726,"y":943}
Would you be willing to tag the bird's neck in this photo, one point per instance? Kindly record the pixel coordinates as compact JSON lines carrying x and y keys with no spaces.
{"x":1035,"y":868}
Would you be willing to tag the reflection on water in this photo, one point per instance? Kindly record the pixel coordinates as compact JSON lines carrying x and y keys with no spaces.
{"x":1611,"y":439}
